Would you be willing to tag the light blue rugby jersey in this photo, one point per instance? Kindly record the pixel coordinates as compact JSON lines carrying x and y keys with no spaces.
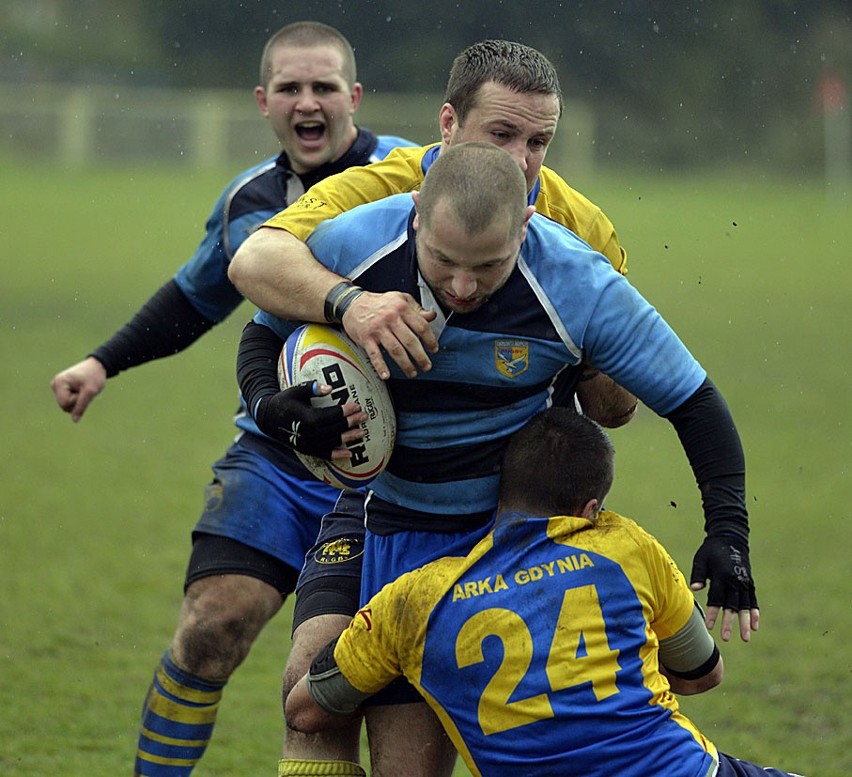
{"x":248,"y":201}
{"x":496,"y":365}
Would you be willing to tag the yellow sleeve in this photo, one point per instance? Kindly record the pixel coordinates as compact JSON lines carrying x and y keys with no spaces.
{"x":674,"y":601}
{"x":385,"y":639}
{"x":401,"y":171}
{"x":559,"y":202}
{"x":367,"y":649}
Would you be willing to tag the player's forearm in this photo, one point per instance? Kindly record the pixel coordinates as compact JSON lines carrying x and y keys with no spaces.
{"x":257,"y":364}
{"x":712,"y":445}
{"x":305,"y":715}
{"x":691,"y":687}
{"x":166,"y":324}
{"x":690,"y":659}
{"x":323,"y":698}
{"x":279,"y":274}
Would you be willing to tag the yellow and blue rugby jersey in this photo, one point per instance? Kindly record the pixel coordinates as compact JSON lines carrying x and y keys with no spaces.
{"x":538,"y":651}
{"x":403,"y":171}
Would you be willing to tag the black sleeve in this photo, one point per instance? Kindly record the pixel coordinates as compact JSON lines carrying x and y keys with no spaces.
{"x":712,"y":445}
{"x":257,"y":363}
{"x":165,"y":325}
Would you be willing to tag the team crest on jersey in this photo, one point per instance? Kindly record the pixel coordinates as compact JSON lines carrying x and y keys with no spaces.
{"x":338,"y":551}
{"x":511,"y":357}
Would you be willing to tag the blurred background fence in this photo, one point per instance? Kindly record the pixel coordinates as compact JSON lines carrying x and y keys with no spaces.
{"x":662,"y":87}
{"x":79,"y":125}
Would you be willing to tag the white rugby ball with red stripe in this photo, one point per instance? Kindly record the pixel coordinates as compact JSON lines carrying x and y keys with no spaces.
{"x":325,"y":354}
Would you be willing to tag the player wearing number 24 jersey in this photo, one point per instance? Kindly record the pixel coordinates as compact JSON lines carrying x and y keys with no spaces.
{"x":555,"y":646}
{"x":534,"y":649}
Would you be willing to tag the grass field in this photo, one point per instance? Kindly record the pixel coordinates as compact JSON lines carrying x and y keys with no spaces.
{"x":95,"y":518}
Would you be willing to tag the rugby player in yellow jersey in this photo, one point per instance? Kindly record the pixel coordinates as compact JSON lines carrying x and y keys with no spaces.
{"x":555,"y":646}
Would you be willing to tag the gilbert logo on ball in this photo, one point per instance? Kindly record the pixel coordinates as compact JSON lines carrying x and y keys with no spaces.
{"x":325,"y":354}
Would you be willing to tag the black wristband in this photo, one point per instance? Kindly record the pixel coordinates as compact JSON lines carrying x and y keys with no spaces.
{"x":338,"y":300}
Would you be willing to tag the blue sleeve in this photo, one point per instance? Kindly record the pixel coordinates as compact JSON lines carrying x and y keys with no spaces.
{"x":631,"y":342}
{"x":204,"y":278}
{"x":606,"y":320}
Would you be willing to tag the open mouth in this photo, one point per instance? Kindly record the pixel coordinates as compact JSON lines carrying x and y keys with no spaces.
{"x":310,"y":131}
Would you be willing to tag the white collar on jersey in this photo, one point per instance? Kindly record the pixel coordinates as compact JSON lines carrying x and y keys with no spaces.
{"x":428,"y":301}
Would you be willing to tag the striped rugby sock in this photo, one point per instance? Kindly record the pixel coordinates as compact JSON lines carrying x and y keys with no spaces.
{"x":177,"y":722}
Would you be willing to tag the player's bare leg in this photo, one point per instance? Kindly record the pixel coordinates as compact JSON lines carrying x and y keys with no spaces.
{"x":409,"y":739}
{"x":341,"y":744}
{"x":219,"y":621}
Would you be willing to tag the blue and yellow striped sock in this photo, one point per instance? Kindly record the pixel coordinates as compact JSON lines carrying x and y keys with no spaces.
{"x":177,"y":722}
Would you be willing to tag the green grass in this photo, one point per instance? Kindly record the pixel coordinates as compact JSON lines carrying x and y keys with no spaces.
{"x":95,"y":518}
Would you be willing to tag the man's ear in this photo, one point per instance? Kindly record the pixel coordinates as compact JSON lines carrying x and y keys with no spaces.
{"x":357,"y":94}
{"x":260,"y":99}
{"x":447,"y":122}
{"x":590,"y":510}
{"x":527,"y":217}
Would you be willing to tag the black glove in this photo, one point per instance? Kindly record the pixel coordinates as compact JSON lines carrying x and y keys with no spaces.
{"x":290,"y":418}
{"x":724,"y":559}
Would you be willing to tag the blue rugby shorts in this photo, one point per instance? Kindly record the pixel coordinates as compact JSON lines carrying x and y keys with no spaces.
{"x":262,"y":504}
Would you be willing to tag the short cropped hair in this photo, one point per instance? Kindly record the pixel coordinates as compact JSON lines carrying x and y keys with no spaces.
{"x":556,"y":463}
{"x":518,"y":67}
{"x":305,"y":34}
{"x":480,"y":181}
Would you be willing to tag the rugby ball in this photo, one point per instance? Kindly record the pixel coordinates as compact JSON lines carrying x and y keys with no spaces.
{"x":325,"y":354}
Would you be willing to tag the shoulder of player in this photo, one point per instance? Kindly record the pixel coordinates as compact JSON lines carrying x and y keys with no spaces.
{"x":399,"y":172}
{"x":256,"y":173}
{"x":258,"y":190}
{"x":629,"y":531}
{"x":409,"y":154}
{"x":564,"y":204}
{"x":387,"y":144}
{"x":374,"y":231}
{"x":550,"y":241}
{"x":395,"y":208}
{"x":404,"y":162}
{"x":421,"y":589}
